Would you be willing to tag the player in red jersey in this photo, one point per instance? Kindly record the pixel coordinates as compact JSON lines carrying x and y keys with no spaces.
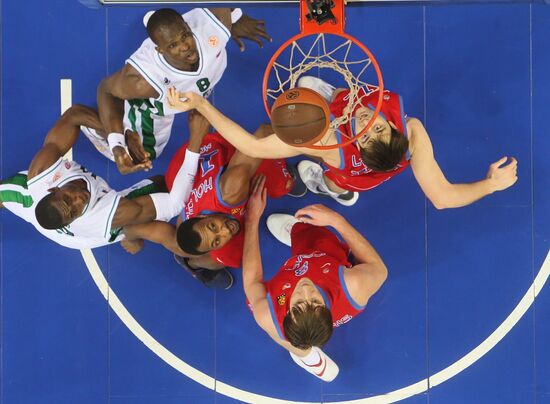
{"x":316,"y":289}
{"x":208,"y":236}
{"x":390,"y":144}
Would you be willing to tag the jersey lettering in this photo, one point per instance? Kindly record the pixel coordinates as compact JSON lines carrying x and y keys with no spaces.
{"x":204,"y":187}
{"x":206,"y":165}
{"x":203,"y":84}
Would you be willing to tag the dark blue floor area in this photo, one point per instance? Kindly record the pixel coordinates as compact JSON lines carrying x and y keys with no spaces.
{"x":475,"y":74}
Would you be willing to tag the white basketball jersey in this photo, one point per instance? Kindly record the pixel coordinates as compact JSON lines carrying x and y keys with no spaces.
{"x":152,"y":118}
{"x":93,"y":228}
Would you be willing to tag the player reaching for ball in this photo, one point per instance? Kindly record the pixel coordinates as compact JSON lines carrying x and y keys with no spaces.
{"x":392,"y":143}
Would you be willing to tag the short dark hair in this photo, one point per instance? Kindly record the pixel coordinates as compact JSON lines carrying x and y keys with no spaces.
{"x":188,"y":238}
{"x":47,"y":215}
{"x":381,"y":156}
{"x":308,"y":325}
{"x":161,"y":18}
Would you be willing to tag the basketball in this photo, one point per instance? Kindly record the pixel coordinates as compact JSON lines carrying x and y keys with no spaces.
{"x":300,"y":116}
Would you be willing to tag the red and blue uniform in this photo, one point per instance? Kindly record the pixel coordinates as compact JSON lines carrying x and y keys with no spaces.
{"x":206,"y":197}
{"x":318,"y":255}
{"x":353,"y":174}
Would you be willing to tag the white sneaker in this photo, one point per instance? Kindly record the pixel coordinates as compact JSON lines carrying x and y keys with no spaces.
{"x":146,"y":17}
{"x":325,"y":370}
{"x":280,"y":225}
{"x":322,"y":87}
{"x":312,"y":175}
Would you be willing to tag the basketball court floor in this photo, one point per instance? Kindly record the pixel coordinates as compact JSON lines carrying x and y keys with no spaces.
{"x":457,"y":320}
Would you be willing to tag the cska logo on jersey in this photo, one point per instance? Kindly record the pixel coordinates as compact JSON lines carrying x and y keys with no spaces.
{"x":236,"y":211}
{"x":281,"y":300}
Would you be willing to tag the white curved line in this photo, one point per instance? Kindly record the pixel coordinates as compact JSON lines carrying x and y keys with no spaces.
{"x":246,"y":396}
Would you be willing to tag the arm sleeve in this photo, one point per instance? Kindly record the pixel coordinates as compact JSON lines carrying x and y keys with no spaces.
{"x":169,"y":205}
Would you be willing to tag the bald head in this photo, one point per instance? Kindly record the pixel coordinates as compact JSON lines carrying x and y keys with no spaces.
{"x":165,"y":18}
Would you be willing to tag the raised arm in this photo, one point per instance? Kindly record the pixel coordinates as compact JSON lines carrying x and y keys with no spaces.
{"x":364,"y":279}
{"x":125,"y":84}
{"x":158,"y":232}
{"x":253,"y":274}
{"x":268,"y":147}
{"x":438,"y":189}
{"x":164,"y":206}
{"x":242,"y":26}
{"x":63,"y":136}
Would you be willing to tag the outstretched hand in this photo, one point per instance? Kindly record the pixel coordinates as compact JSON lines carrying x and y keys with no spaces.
{"x":183,"y":101}
{"x":257,"y":200}
{"x":502,"y":175}
{"x":135,"y":147}
{"x":249,"y":28}
{"x":318,"y":215}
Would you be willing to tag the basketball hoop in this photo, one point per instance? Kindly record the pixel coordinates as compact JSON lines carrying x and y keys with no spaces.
{"x":322,"y":44}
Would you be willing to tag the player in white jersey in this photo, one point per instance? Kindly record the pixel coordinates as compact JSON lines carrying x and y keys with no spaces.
{"x":183,"y":51}
{"x":77,"y":209}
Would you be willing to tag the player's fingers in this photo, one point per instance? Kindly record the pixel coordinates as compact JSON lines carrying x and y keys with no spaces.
{"x":262,"y":32}
{"x":303,"y":212}
{"x":500,"y":162}
{"x":254,"y":38}
{"x":303,"y":218}
{"x":261,"y":183}
{"x":256,"y":184}
{"x":264,"y":195}
{"x":240,"y":43}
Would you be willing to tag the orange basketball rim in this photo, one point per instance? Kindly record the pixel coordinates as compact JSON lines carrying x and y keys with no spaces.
{"x":311,"y":27}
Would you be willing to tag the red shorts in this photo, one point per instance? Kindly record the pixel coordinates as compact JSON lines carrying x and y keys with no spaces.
{"x":306,"y":238}
{"x":278,"y":180}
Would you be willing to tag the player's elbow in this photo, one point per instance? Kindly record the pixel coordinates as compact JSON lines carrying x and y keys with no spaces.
{"x":442,"y":198}
{"x":439,"y":203}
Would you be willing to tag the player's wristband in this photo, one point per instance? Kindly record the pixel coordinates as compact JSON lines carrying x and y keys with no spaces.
{"x":116,"y":140}
{"x":236,"y":15}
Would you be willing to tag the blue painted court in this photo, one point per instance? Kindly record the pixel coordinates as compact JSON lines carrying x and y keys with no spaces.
{"x":457,"y":320}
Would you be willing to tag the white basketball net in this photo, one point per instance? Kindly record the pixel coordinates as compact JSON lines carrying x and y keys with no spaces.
{"x":338,"y":57}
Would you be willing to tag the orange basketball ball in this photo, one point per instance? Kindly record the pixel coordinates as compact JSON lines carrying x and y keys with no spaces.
{"x":300,"y":116}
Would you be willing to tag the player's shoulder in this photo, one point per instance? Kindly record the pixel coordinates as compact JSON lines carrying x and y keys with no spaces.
{"x":203,"y":20}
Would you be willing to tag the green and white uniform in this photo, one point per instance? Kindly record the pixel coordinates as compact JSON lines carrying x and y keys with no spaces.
{"x":93,"y":228}
{"x":152,"y":118}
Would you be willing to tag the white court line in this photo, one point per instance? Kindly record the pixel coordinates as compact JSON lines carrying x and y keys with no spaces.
{"x":246,"y":396}
{"x":66,"y":90}
{"x":162,"y":352}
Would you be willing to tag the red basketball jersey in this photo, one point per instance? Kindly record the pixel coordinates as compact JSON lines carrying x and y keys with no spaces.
{"x":206,"y":195}
{"x":326,"y":272}
{"x":353,"y":174}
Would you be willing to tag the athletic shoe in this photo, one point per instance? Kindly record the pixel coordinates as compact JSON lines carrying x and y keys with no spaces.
{"x":279,"y":226}
{"x":325,"y":370}
{"x":312,"y":175}
{"x":218,"y":279}
{"x":147,"y":16}
{"x":347,"y":198}
{"x":322,"y":87}
{"x":299,"y":189}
